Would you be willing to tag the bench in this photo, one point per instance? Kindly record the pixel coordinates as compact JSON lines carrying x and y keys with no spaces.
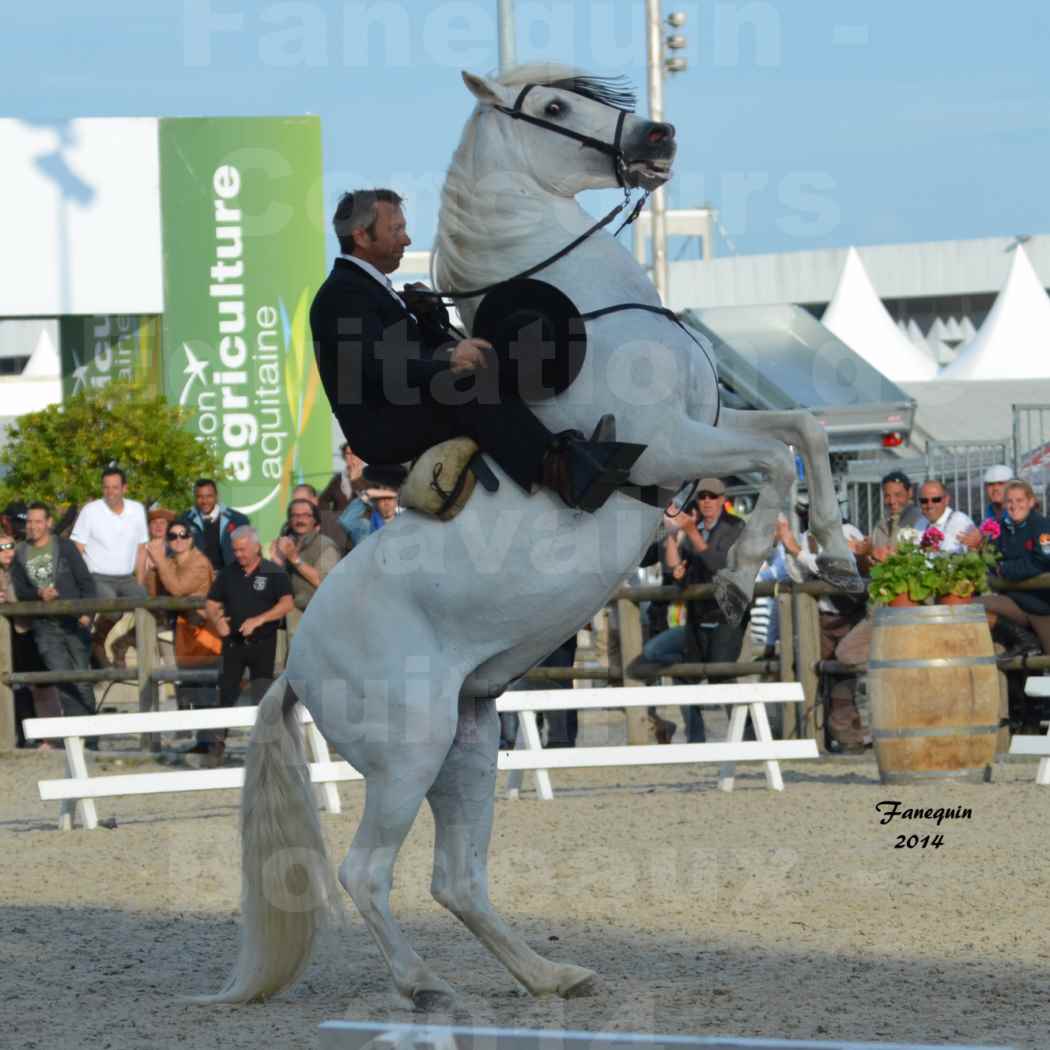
{"x":78,"y":789}
{"x":743,"y":698}
{"x":1038,"y":686}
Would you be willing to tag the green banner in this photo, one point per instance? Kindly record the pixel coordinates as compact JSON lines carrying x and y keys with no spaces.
{"x":243,"y":255}
{"x":98,"y":349}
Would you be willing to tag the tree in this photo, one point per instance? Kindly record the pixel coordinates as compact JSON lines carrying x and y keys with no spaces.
{"x":57,"y":455}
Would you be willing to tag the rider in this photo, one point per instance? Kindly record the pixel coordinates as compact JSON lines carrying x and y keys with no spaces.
{"x":399,"y":382}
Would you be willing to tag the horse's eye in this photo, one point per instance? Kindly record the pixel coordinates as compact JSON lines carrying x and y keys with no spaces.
{"x":553,"y":109}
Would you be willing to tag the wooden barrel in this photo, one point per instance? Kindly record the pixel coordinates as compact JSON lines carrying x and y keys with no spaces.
{"x":934,"y":692}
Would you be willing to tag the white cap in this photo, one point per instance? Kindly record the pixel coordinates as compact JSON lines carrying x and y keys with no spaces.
{"x":997,"y":473}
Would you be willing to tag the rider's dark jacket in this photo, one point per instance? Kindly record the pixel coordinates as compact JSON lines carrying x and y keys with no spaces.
{"x":1025,"y":548}
{"x":388,"y":378}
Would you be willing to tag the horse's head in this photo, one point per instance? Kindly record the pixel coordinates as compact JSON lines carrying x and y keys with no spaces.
{"x":577,"y":132}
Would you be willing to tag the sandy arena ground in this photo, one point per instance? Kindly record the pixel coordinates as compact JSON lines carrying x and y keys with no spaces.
{"x":754,"y":913}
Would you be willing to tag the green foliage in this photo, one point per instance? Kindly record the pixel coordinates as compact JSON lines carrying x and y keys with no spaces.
{"x":924,"y":575}
{"x":57,"y":455}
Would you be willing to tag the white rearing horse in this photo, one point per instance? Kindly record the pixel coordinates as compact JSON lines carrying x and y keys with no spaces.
{"x":403,"y":648}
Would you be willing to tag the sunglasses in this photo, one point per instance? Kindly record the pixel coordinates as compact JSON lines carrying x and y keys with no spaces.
{"x":178,"y":535}
{"x":931,"y":499}
{"x":7,"y":546}
{"x":708,"y":495}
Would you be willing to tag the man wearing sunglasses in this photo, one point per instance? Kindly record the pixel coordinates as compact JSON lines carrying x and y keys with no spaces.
{"x":694,"y":556}
{"x":953,"y":525}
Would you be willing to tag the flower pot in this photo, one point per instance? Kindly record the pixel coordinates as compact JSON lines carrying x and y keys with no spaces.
{"x":955,"y":599}
{"x":902,"y":600}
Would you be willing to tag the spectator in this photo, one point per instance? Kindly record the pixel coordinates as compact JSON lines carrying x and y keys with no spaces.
{"x":45,"y":568}
{"x":13,"y":520}
{"x":40,"y":701}
{"x":1024,"y":544}
{"x":328,"y":519}
{"x":347,"y":484}
{"x":838,"y":616}
{"x":247,"y":601}
{"x":306,"y":553}
{"x":177,"y":568}
{"x":212,"y":524}
{"x":953,"y":525}
{"x":900,"y":512}
{"x":995,"y":479}
{"x":158,"y":519}
{"x":369,"y":513}
{"x":707,"y":533}
{"x":111,"y":535}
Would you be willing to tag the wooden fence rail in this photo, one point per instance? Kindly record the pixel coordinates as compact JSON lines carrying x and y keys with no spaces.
{"x":799,"y":659}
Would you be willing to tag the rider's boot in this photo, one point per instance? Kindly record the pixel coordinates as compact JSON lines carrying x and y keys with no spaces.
{"x":586,"y":473}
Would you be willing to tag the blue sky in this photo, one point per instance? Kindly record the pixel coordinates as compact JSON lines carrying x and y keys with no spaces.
{"x":808,"y":123}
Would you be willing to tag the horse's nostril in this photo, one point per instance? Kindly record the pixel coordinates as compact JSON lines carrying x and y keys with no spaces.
{"x":660,"y":133}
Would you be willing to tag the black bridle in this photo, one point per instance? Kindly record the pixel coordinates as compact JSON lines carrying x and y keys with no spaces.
{"x":613,"y":149}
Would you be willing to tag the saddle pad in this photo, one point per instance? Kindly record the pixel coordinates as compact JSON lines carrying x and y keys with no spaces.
{"x":441,"y":481}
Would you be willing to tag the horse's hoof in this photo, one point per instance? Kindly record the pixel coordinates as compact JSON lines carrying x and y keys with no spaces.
{"x":732,"y":602}
{"x":840,"y":573}
{"x":433,"y":1001}
{"x":580,"y":985}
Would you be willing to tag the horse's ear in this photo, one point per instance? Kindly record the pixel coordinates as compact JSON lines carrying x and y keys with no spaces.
{"x":483,"y":89}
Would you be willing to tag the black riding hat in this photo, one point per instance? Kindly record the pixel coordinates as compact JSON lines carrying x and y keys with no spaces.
{"x":538,"y":336}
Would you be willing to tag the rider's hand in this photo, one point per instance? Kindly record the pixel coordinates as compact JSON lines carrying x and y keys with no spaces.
{"x":469,"y":354}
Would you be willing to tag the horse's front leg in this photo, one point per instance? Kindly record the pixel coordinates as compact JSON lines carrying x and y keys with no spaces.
{"x":801,"y":429}
{"x":462,"y":800}
{"x":688,"y":449}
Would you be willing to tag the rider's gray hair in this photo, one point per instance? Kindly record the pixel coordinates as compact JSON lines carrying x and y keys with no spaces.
{"x":245,"y":532}
{"x":357,"y":210}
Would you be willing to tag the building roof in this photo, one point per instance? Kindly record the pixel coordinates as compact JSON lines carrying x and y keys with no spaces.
{"x":898,"y":271}
{"x":856,"y":315}
{"x":1014,"y":341}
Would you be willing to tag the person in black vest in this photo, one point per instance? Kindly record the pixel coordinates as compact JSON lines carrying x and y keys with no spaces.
{"x":246,"y":603}
{"x":397,"y":378}
{"x":212,"y":524}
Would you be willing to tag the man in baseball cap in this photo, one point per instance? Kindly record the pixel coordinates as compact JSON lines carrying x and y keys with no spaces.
{"x":995,"y":479}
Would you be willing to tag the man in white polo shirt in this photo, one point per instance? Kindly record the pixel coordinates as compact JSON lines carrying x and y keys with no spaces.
{"x":111,"y":533}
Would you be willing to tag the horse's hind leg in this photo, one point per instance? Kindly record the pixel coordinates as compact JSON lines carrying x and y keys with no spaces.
{"x":394,"y":791}
{"x":462,"y":800}
{"x":804,"y":432}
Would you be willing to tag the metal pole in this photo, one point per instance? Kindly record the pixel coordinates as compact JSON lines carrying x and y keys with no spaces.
{"x":657,"y":203}
{"x":505,"y":10}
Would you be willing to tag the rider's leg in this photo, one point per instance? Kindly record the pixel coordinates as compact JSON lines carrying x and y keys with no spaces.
{"x":462,"y":801}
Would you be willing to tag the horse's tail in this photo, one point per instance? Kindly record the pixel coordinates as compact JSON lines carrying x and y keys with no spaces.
{"x":287,"y":884}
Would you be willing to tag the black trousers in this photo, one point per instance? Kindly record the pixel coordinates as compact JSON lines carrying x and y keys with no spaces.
{"x":256,"y":656}
{"x":507,"y":431}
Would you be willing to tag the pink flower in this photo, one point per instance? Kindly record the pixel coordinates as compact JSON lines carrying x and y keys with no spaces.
{"x":932,"y":537}
{"x":991,"y":528}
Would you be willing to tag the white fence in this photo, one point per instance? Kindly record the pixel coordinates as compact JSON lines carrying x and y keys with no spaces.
{"x":78,"y":789}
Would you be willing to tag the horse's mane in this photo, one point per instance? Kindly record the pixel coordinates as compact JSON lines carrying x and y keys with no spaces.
{"x":475,"y":223}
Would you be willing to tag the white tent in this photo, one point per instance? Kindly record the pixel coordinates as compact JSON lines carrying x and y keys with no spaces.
{"x":1014,"y":341}
{"x":941,"y":352}
{"x":966,"y":329}
{"x":857,"y":316}
{"x":939,"y":331}
{"x":914,"y":333}
{"x":955,"y":333}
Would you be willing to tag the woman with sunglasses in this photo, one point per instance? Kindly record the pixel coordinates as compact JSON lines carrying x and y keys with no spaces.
{"x":24,"y":655}
{"x":176,"y":567}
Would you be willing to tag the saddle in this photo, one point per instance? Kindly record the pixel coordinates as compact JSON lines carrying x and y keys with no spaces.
{"x":442,"y":479}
